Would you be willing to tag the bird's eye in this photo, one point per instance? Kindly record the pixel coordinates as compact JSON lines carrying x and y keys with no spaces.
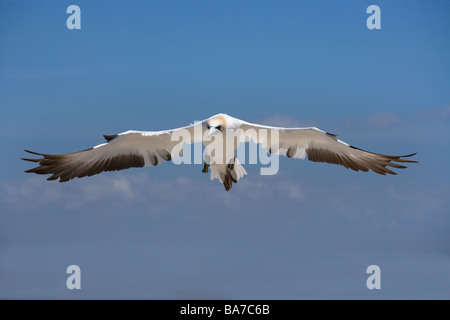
{"x":219,"y":127}
{"x":208,"y":126}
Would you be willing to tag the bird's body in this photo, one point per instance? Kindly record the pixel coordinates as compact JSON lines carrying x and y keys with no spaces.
{"x":221,"y":136}
{"x":221,"y":150}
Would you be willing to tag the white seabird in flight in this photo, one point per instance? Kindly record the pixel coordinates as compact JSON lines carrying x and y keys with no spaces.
{"x":149,"y":148}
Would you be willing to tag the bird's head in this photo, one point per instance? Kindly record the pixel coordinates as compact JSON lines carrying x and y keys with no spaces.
{"x":216,"y":125}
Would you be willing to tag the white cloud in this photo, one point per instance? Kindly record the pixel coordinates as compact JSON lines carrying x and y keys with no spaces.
{"x":382,"y":120}
{"x":127,"y":189}
{"x":197,"y":195}
{"x":36,"y":192}
{"x":420,"y":204}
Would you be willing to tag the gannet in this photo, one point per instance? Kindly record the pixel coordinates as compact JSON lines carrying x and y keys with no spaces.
{"x":149,"y":148}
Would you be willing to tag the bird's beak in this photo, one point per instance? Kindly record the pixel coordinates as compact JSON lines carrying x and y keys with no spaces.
{"x":212,"y":131}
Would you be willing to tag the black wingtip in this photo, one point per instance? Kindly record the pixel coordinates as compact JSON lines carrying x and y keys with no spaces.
{"x":409,"y":155}
{"x":406,"y":156}
{"x":31,"y":160}
{"x":332,"y":135}
{"x":32,"y":152}
{"x":108,"y":138}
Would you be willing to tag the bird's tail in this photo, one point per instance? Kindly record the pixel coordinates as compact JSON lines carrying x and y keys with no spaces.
{"x":228,"y":173}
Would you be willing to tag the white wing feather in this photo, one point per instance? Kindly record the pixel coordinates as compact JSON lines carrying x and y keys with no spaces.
{"x":320,"y":146}
{"x":122,"y":151}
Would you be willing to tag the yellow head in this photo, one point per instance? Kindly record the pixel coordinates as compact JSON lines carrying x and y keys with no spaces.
{"x":216,"y":125}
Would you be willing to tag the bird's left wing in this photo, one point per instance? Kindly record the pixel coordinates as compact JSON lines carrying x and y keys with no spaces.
{"x":319,"y":146}
{"x":121,"y":151}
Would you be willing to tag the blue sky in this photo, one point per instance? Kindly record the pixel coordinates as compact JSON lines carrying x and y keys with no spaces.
{"x":168,"y":232}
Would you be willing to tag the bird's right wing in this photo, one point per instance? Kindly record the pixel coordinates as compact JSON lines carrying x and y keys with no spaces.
{"x":320,"y":146}
{"x":121,"y":151}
